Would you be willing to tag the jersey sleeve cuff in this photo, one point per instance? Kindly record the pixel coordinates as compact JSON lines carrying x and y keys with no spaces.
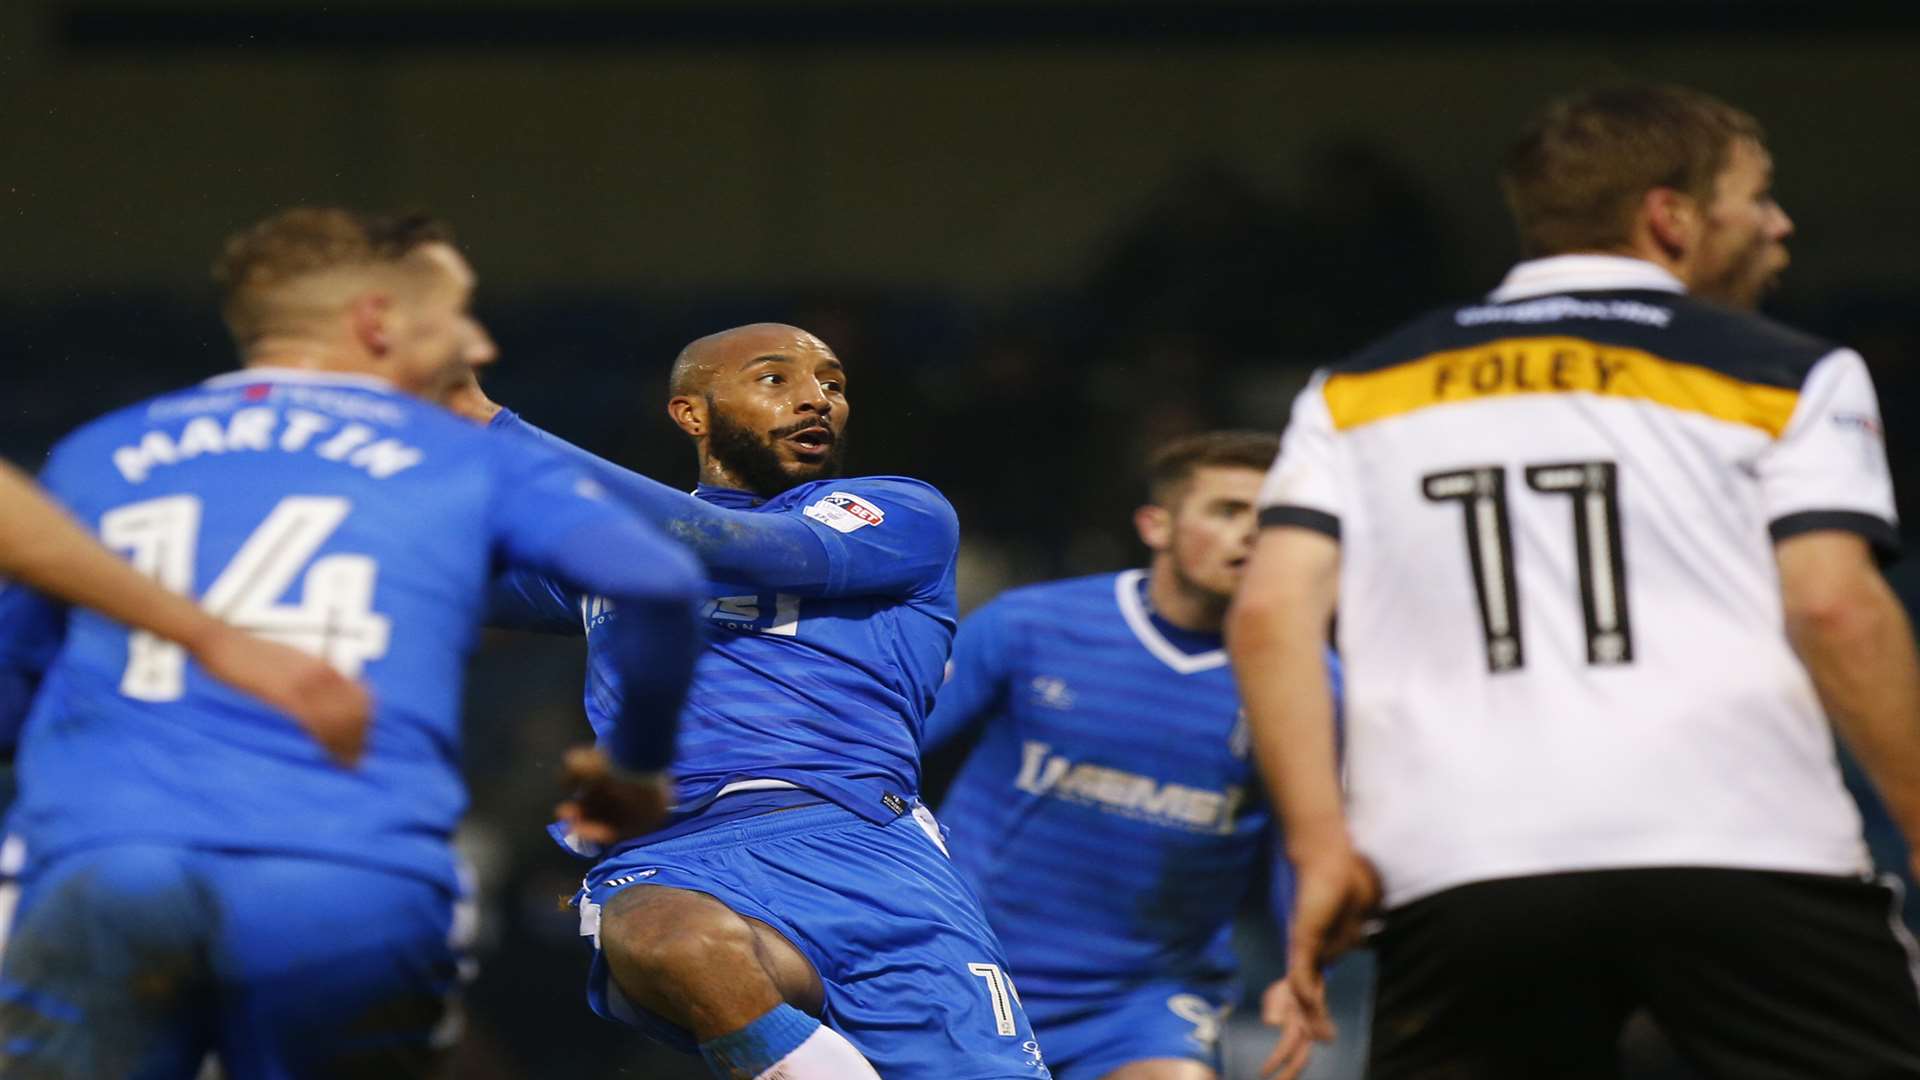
{"x":1878,"y":531}
{"x":1302,"y":516}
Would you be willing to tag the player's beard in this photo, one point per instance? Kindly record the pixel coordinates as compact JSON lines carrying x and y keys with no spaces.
{"x":753,"y":458}
{"x":1747,"y":278}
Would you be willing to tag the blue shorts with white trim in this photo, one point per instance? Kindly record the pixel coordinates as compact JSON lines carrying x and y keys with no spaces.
{"x":914,"y":977}
{"x":1088,"y":1037}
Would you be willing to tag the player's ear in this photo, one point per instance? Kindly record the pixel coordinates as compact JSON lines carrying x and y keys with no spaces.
{"x":689,"y":414}
{"x":369,"y":319}
{"x":1672,"y":221}
{"x":1155,"y":526}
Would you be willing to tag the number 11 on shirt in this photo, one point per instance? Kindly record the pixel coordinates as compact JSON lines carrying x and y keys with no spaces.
{"x":1593,"y":488}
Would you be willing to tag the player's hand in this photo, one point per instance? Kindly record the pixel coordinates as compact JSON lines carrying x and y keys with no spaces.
{"x":608,"y":806}
{"x":1279,"y":1008}
{"x":332,"y":708}
{"x":466,"y":399}
{"x":1336,"y":891}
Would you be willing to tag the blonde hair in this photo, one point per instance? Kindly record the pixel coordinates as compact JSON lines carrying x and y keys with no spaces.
{"x":262,"y":267}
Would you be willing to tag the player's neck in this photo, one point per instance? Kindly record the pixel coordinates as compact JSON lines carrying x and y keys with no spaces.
{"x":1644,"y":247}
{"x":714,"y":473}
{"x":303,"y":355}
{"x":1183,"y":605}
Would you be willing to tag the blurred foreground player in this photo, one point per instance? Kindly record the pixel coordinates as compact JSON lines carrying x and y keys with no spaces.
{"x":1110,"y":819}
{"x":799,"y":876}
{"x":41,"y":547}
{"x":198,"y":876}
{"x":1603,"y":547}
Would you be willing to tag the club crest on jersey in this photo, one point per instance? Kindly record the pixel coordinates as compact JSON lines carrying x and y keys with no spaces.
{"x":842,"y":512}
{"x":1052,"y":692}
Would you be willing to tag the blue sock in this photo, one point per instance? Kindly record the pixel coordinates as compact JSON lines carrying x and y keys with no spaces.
{"x":745,"y":1054}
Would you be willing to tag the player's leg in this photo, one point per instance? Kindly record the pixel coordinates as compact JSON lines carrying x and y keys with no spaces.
{"x":681,"y":955}
{"x":692,"y":960}
{"x":1759,"y":974}
{"x":748,"y":997}
{"x":1161,"y":1031}
{"x":105,"y":970}
{"x":914,"y":981}
{"x":334,"y":971}
{"x":914,"y":976}
{"x":1500,"y":980}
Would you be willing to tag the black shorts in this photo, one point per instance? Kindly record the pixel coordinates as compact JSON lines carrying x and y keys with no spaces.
{"x":1751,"y":974}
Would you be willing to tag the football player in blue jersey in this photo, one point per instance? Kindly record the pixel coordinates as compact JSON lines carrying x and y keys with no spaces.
{"x":196,"y":875}
{"x":1109,"y":817}
{"x":40,"y":546}
{"x":799,"y":877}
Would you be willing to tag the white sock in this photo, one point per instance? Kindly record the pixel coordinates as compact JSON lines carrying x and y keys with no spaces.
{"x":824,"y":1056}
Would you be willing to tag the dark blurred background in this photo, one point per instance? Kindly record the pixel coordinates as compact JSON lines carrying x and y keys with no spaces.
{"x":1043,"y":236}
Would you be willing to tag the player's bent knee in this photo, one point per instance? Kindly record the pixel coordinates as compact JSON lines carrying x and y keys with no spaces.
{"x":687,"y":958}
{"x":659,"y":939}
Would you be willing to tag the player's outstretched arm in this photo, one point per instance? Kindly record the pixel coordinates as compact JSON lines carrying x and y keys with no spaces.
{"x":774,"y":551}
{"x":648,"y":639}
{"x":1276,"y":634}
{"x":41,"y":546}
{"x":1857,"y":644}
{"x":548,"y":519}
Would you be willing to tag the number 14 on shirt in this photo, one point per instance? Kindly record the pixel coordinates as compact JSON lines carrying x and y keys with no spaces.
{"x":334,"y":619}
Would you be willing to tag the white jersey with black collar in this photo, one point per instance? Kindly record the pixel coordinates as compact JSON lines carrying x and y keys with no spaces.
{"x":1560,"y":614}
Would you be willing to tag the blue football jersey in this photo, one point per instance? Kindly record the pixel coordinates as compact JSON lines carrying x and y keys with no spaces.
{"x":828,"y":691}
{"x":329,"y":512}
{"x":822,"y":678}
{"x":1110,"y":818}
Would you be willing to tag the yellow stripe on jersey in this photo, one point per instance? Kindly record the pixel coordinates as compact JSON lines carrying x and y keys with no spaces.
{"x":1553,"y":365}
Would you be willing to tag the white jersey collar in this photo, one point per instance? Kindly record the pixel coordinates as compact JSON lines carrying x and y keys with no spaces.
{"x":1126,"y":590}
{"x":302,"y":376}
{"x":1583,"y":273}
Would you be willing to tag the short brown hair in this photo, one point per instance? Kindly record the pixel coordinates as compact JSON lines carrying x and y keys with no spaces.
{"x":258,"y":261}
{"x":1173,"y":464}
{"x":1575,"y":177}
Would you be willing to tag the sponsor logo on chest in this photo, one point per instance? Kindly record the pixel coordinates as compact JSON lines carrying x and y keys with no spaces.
{"x":1175,"y":805}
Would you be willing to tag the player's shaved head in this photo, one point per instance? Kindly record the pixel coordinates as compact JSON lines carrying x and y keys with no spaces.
{"x":696,"y":365}
{"x":765,"y":403}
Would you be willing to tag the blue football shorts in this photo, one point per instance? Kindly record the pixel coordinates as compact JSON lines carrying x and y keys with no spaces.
{"x":139,"y":960}
{"x":914,"y":977}
{"x":1087,"y":1037}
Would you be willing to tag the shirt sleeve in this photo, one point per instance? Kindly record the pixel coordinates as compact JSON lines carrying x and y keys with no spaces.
{"x":32,"y":630}
{"x":1302,"y":488}
{"x":1828,"y":470}
{"x":771,"y":551}
{"x":33,"y":626}
{"x":977,"y":676}
{"x":523,"y":599}
{"x":885,"y":536}
{"x":553,"y":519}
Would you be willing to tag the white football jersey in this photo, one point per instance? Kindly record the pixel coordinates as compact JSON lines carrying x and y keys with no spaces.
{"x":1560,"y":615}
